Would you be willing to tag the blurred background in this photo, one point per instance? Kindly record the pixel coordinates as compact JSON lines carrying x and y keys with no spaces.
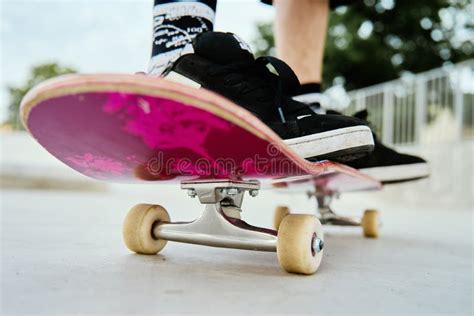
{"x":410,"y":63}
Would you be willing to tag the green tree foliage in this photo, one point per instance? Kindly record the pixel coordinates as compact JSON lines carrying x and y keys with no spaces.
{"x":374,"y":41}
{"x":37,"y":74}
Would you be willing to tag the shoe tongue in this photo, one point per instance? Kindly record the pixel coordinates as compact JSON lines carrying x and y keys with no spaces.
{"x":222,"y":48}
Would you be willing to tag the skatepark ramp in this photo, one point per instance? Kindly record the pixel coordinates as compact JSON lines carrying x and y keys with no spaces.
{"x":450,"y":185}
{"x":24,"y":164}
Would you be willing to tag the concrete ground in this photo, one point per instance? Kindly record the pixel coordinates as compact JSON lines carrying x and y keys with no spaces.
{"x":62,"y":254}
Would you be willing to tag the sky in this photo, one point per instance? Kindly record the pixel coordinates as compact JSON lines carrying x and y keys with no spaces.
{"x":94,"y":35}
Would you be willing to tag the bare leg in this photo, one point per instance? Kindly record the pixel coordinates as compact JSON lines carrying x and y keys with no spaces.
{"x":300,"y":31}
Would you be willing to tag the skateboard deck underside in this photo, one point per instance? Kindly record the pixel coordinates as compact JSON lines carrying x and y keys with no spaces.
{"x":128,"y":128}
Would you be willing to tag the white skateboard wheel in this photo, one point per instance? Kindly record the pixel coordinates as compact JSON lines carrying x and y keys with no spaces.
{"x":280,"y":213}
{"x":370,"y":223}
{"x":300,"y":243}
{"x":138,"y":228}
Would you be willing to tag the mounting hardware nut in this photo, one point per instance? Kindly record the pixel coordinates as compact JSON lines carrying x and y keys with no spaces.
{"x":253,"y":193}
{"x":192,"y":193}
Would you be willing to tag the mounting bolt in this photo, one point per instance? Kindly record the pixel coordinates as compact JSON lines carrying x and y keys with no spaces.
{"x":192,"y":193}
{"x":232,"y":191}
{"x":317,"y":245}
{"x":253,"y":193}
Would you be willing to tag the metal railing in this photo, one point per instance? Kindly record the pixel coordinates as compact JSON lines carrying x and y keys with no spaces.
{"x":434,"y":106}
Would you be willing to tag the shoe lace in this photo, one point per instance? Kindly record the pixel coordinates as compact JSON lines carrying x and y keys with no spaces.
{"x":266,"y":85}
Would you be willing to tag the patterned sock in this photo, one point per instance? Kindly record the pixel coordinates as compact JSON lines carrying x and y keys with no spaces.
{"x":175,"y":24}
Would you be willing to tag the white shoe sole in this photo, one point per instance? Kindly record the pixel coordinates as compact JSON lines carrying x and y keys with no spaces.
{"x":398,"y":172}
{"x":338,"y":141}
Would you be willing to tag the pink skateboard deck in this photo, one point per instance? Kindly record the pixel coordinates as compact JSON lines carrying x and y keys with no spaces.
{"x":136,"y":128}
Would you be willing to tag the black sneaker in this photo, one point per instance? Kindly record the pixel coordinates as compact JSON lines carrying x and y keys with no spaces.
{"x":387,"y":165}
{"x":222,"y":63}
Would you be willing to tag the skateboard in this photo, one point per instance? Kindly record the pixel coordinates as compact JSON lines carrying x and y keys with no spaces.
{"x":137,"y":128}
{"x":324,"y":190}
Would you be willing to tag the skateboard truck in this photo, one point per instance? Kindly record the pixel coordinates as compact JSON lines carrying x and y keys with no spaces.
{"x":369,"y":221}
{"x":327,"y":215}
{"x":299,"y":243}
{"x":220,"y":224}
